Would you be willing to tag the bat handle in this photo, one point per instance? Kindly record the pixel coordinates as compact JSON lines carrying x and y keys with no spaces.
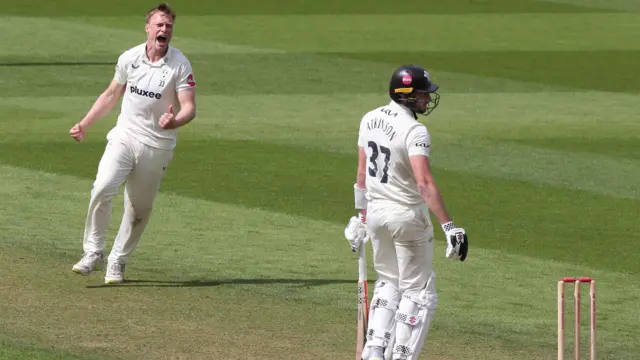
{"x":362,"y":263}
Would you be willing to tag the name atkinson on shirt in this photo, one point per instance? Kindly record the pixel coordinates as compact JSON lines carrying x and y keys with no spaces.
{"x":383,"y":125}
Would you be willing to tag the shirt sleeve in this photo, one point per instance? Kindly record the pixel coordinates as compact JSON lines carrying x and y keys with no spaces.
{"x":185,"y":78}
{"x":418,"y":141}
{"x":121,"y":71}
{"x":360,"y":132}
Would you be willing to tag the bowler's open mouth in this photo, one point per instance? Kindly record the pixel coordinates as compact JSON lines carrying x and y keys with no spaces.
{"x":162,"y":39}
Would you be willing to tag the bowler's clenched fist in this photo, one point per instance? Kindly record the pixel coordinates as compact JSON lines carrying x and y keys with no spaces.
{"x":77,"y":132}
{"x":168,"y":119}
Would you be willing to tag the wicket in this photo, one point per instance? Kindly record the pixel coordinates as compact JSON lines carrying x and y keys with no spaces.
{"x":592,"y":317}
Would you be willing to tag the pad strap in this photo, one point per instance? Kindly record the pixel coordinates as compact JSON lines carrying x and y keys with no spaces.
{"x":409,"y":319}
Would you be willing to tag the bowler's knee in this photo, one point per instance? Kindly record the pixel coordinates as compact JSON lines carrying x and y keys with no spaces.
{"x":140,"y":211}
{"x":103,"y":191}
{"x":142,"y":214}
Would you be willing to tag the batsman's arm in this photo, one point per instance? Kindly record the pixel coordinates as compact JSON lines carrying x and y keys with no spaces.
{"x":103,"y":105}
{"x":361,"y":186}
{"x":428,"y":188}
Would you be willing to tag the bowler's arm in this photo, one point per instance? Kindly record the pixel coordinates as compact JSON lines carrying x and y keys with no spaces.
{"x":103,"y":105}
{"x":187,"y":100}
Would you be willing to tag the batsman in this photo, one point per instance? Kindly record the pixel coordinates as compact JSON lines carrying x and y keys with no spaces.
{"x":394,"y":193}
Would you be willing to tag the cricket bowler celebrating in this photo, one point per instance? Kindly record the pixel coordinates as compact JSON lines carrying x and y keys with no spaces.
{"x":394,"y":193}
{"x":157,"y":83}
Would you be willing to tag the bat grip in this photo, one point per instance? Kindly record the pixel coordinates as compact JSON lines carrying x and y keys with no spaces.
{"x":362,"y":263}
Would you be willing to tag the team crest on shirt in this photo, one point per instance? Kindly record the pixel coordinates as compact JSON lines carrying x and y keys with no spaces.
{"x":164,"y":77}
{"x":190,"y":80}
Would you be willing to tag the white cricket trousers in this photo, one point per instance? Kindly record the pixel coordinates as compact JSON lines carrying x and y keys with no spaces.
{"x":402,"y":240}
{"x":142,"y":167}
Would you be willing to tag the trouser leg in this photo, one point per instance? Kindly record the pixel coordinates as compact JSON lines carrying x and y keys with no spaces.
{"x":140,"y":194}
{"x":116,"y":164}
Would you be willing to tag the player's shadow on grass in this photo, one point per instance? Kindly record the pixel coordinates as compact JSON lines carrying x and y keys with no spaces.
{"x":205,"y":283}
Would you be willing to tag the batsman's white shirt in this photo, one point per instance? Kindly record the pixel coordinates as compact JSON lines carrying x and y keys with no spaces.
{"x":390,"y":135}
{"x":150,"y":89}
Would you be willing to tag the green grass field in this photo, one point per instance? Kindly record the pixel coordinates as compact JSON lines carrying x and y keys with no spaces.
{"x":535,"y":149}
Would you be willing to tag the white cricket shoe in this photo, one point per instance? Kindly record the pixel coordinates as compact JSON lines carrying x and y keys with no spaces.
{"x":91,"y":261}
{"x":115,"y":273}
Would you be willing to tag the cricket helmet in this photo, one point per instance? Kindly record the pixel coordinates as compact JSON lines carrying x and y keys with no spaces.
{"x":408,"y":81}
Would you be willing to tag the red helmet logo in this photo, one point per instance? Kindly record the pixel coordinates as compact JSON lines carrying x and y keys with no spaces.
{"x":406,"y":79}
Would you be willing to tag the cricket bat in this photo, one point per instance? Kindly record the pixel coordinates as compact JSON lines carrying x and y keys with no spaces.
{"x":363,"y":302}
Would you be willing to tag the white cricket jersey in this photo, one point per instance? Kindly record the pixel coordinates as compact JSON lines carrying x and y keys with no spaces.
{"x":389,"y":135}
{"x":150,"y":89}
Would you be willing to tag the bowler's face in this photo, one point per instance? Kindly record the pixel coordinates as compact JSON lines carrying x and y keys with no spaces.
{"x":159,"y":30}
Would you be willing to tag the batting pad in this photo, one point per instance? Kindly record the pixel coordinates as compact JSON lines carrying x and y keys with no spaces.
{"x":413,"y":319}
{"x":381,"y":314}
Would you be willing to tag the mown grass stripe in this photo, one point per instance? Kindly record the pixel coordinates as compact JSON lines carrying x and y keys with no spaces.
{"x":195,"y":273}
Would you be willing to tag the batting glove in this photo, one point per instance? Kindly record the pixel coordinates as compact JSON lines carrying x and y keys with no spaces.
{"x":457,"y":242}
{"x":356,"y":233}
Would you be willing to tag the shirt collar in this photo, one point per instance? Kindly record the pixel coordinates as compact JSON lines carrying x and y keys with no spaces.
{"x":402,"y":109}
{"x":163,"y":61}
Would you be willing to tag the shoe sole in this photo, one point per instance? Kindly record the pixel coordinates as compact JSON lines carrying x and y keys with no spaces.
{"x":82,"y":272}
{"x":113,"y":282}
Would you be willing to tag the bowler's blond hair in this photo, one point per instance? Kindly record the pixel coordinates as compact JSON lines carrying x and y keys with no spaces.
{"x":163,"y":8}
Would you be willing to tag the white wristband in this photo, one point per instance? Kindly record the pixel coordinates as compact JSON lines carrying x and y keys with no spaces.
{"x":448,"y":226}
{"x":360,"y":197}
